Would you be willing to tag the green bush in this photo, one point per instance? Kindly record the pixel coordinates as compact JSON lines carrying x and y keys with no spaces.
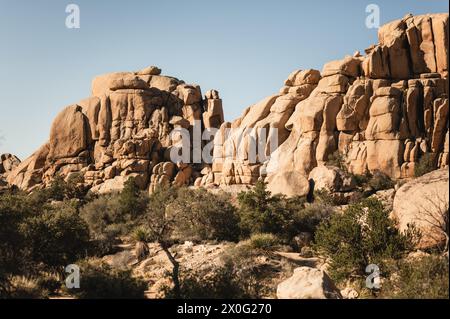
{"x":13,"y":259}
{"x":337,"y":159}
{"x":61,"y":189}
{"x":264,"y":241}
{"x":260,"y":212}
{"x":380,"y":181}
{"x":205,"y":216}
{"x":425,"y":165}
{"x":217,"y":282}
{"x":238,"y":276}
{"x":103,"y":215}
{"x":310,"y":216}
{"x":22,"y":287}
{"x":115,"y":214}
{"x":99,"y":281}
{"x":364,"y":234}
{"x":362,"y":180}
{"x":141,"y":234}
{"x":132,"y":201}
{"x":426,"y":278}
{"x":57,"y":236}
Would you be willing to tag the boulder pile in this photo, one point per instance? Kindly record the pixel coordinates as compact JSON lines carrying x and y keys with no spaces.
{"x":382,"y":111}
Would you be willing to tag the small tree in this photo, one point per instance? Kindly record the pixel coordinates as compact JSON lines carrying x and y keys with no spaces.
{"x":260,"y":212}
{"x":426,"y":164}
{"x":130,"y":198}
{"x":363,"y":235}
{"x":206,"y":216}
{"x":435,"y":213}
{"x":57,"y":236}
{"x":161,"y":224}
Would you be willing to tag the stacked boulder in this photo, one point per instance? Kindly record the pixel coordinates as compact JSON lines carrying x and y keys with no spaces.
{"x":123,"y":130}
{"x":8,"y":162}
{"x":382,"y":112}
{"x":236,"y":160}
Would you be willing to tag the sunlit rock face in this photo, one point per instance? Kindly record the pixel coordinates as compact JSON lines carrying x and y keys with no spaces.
{"x":122,"y":130}
{"x":382,"y":111}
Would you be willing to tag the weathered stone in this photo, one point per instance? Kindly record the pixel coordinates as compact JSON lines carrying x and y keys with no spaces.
{"x":424,"y":203}
{"x":308,"y":283}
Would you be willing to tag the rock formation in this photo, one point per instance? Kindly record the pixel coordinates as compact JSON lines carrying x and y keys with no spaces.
{"x":122,"y":130}
{"x":382,"y":111}
{"x":8,"y":162}
{"x":308,"y":283}
{"x":424,"y":203}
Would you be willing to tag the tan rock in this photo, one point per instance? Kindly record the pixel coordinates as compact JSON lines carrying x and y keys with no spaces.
{"x":349,"y":66}
{"x":308,"y":283}
{"x":288,"y":183}
{"x":424,"y":202}
{"x":69,"y":133}
{"x":326,"y":178}
{"x":150,"y":70}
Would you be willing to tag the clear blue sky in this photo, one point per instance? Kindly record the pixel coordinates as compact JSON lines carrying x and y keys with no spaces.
{"x":245,"y":49}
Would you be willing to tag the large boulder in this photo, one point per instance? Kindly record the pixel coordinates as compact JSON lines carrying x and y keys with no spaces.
{"x":308,"y":283}
{"x":291,"y":183}
{"x":329,"y":178}
{"x":424,"y":202}
{"x":69,"y":133}
{"x":8,"y":162}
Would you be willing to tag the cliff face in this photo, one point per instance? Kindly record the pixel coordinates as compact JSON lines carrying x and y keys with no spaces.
{"x":122,"y":130}
{"x":381,"y":111}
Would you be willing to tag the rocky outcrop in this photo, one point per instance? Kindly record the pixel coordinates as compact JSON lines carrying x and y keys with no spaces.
{"x":382,"y":111}
{"x":424,"y":203}
{"x":8,"y":162}
{"x":308,"y":283}
{"x":123,"y":130}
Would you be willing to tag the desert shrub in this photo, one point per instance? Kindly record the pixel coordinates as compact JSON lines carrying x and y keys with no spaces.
{"x":361,"y":180}
{"x":98,"y":281}
{"x":114,"y":215}
{"x":337,"y":159}
{"x":132,"y":201}
{"x":364,"y":234}
{"x":264,"y":241}
{"x":310,"y":216}
{"x":205,"y":216}
{"x":57,"y":236}
{"x":236,"y":277}
{"x":141,"y":234}
{"x":63,"y":189}
{"x":425,"y":165}
{"x":23,"y":287}
{"x":218,"y":282}
{"x":103,"y":214}
{"x":12,"y":213}
{"x":260,"y":212}
{"x":425,"y":278}
{"x":380,"y":181}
